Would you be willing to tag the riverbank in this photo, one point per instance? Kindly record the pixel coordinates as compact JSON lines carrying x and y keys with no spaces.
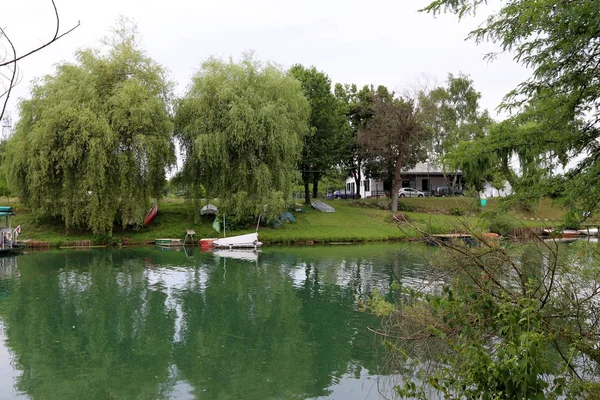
{"x":353,"y":221}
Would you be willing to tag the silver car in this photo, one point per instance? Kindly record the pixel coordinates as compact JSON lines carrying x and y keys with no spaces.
{"x":410,"y":192}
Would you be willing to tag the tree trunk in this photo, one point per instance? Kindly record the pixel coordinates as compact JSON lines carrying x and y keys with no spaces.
{"x":396,"y":183}
{"x":316,"y":179}
{"x":306,"y":193}
{"x":357,"y":178}
{"x":453,"y":187}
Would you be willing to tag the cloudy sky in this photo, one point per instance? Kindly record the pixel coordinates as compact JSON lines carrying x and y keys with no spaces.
{"x":376,"y":42}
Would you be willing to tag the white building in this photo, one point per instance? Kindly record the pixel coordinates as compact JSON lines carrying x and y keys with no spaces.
{"x":489,"y":191}
{"x":424,"y":177}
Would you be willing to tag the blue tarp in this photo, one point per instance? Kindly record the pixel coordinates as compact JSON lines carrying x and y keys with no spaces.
{"x":286,"y":216}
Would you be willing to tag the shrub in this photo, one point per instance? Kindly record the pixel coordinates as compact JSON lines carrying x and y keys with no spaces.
{"x":457,"y":212}
{"x":406,"y":207}
{"x":501,"y":223}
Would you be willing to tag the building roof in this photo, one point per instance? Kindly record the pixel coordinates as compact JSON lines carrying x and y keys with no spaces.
{"x":427,"y":168}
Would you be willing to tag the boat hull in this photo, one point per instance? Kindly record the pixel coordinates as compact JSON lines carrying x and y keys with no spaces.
{"x":238,"y":254}
{"x":151,"y":214}
{"x":168,"y":242}
{"x":249,"y":240}
{"x":589,"y":231}
{"x":565,"y":234}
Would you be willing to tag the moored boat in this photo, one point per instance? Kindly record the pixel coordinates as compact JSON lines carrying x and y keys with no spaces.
{"x":249,"y":240}
{"x":238,"y":254}
{"x":589,"y":231}
{"x":565,"y":233}
{"x":151,"y":214}
{"x":168,"y":242}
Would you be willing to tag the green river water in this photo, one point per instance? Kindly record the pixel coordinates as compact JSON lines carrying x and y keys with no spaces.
{"x":149,"y":323}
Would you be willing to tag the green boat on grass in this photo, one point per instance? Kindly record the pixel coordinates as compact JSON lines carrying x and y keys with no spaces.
{"x":168,"y":242}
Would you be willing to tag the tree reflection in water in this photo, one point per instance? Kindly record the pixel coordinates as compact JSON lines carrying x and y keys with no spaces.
{"x":140,"y":323}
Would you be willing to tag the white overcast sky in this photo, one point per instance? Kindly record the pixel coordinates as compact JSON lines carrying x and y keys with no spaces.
{"x":375,"y":42}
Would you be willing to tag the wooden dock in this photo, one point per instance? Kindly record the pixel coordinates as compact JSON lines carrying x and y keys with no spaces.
{"x":450,"y":236}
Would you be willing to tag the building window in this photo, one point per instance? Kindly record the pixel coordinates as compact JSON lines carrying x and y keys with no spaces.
{"x":367,"y":185}
{"x":350,"y":187}
{"x":425,"y":184}
{"x":405,"y":183}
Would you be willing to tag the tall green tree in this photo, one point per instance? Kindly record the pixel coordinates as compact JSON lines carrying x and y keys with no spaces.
{"x":94,"y":139}
{"x":322,"y":150}
{"x":453,"y":116}
{"x":242,"y":126}
{"x":394,"y":136}
{"x":560,"y":42}
{"x":357,"y":105}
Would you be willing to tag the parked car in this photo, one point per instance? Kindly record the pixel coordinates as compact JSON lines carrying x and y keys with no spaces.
{"x":446,"y":191}
{"x":342,"y":194}
{"x":410,"y":192}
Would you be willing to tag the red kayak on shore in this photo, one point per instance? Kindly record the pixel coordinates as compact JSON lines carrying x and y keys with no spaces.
{"x":151,"y":214}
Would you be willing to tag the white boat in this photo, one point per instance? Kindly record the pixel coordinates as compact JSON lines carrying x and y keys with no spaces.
{"x":589,"y":231}
{"x":238,"y":254}
{"x":249,"y":240}
{"x":209,"y":209}
{"x":566,"y":233}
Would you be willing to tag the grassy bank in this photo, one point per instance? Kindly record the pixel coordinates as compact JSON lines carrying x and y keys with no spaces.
{"x":364,"y":220}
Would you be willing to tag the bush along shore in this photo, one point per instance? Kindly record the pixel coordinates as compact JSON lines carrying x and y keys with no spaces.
{"x":367,"y":220}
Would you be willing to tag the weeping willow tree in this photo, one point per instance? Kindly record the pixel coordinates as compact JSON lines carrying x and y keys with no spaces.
{"x":242,"y":126}
{"x":94,"y":139}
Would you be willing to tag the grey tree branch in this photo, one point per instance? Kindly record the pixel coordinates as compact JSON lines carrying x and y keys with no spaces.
{"x":15,"y":58}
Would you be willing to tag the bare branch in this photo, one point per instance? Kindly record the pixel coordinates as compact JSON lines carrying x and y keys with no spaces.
{"x":11,"y":63}
{"x":54,"y":39}
{"x":12,"y":78}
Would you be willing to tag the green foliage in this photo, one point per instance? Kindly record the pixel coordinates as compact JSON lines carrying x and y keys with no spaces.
{"x":456,"y":211}
{"x":393,"y":139}
{"x":241,"y":126}
{"x":402,"y":206}
{"x":321,"y":150}
{"x":452,"y":114}
{"x":492,"y":332}
{"x":94,"y":139}
{"x":357,"y":106}
{"x":556,"y":110}
{"x":500,"y":223}
{"x":513,"y":364}
{"x":377,"y":304}
{"x":370,"y":203}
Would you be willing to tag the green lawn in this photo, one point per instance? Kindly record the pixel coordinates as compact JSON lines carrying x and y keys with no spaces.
{"x":349,"y":223}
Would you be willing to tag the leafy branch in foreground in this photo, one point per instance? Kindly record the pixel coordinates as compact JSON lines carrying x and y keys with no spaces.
{"x":556,"y":121}
{"x":499,"y":322}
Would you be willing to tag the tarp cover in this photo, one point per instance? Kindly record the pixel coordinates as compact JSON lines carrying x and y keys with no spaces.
{"x":319,"y":205}
{"x":286,"y":216}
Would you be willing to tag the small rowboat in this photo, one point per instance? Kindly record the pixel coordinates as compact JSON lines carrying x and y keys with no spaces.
{"x":168,"y":242}
{"x":151,"y":214}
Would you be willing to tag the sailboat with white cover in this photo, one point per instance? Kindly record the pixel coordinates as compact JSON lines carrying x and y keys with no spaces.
{"x":249,"y":240}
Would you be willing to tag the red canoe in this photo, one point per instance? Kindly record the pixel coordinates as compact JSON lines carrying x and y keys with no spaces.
{"x":151,"y":214}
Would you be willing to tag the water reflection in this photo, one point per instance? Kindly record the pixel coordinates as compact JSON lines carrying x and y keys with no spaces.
{"x":147,"y":323}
